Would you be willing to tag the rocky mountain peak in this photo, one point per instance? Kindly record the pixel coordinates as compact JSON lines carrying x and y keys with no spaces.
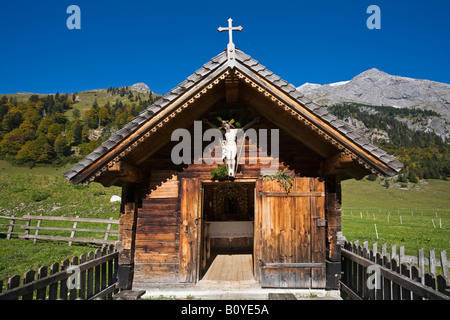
{"x":140,"y":87}
{"x":378,"y":88}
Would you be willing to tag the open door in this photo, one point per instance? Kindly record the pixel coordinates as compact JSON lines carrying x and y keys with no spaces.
{"x":190,"y":216}
{"x":291,"y":229}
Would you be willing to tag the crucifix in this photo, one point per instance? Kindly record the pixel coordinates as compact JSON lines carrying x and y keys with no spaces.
{"x":230,"y":47}
{"x":229,"y":144}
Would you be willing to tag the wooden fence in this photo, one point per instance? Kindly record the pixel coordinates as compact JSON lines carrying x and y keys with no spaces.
{"x":372,"y":275}
{"x":30,"y":230}
{"x":92,"y":276}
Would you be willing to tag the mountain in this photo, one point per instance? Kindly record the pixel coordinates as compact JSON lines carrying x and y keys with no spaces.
{"x":378,"y":88}
{"x":140,"y":87}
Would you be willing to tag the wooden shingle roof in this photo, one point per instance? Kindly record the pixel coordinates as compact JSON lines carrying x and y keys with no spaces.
{"x":258,"y":73}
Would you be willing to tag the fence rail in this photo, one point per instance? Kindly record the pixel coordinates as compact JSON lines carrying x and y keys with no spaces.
{"x":27,"y":228}
{"x":89,"y":277}
{"x":372,"y":275}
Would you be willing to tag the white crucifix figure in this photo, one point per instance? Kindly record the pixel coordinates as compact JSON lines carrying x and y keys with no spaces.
{"x":230,"y":47}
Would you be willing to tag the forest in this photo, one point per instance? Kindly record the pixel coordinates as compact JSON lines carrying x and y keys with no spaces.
{"x":51,"y":130}
{"x":424,"y":154}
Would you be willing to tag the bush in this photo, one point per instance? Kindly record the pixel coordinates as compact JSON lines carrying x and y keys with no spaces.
{"x":38,"y":196}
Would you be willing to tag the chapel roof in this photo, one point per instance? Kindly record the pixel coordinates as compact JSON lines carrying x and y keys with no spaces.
{"x":257,"y":72}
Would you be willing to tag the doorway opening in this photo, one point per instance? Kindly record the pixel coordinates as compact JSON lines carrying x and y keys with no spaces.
{"x":227,"y":231}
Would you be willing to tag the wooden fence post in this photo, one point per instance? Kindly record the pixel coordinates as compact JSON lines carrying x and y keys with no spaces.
{"x":73,"y":292}
{"x":444,"y":264}
{"x":53,"y":288}
{"x":72,"y":234}
{"x":108,"y":229}
{"x":97,"y":273}
{"x":433,"y":262}
{"x":422,"y":265}
{"x":90,"y":277}
{"x":63,"y":283}
{"x":11,"y":227}
{"x":13,"y":282}
{"x":404,"y":270}
{"x":27,"y":230}
{"x":415,"y":277}
{"x":82,"y":291}
{"x":42,"y":293}
{"x":27,"y":278}
{"x":36,"y":233}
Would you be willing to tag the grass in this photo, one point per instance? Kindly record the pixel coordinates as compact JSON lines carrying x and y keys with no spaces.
{"x":402,"y":216}
{"x":19,"y":256}
{"x":43,"y":190}
{"x":36,"y":194}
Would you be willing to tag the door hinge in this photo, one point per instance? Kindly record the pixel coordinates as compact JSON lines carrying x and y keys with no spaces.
{"x":321,"y":222}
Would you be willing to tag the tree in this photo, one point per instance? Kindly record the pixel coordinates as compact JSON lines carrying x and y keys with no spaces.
{"x":12,"y":119}
{"x":77,"y":129}
{"x":61,"y":147}
{"x":53,"y":131}
{"x":412,"y":177}
{"x":91,"y":118}
{"x":38,"y":150}
{"x":76,"y":113}
{"x":44,"y":125}
{"x":13,"y":141}
{"x":104,"y":117}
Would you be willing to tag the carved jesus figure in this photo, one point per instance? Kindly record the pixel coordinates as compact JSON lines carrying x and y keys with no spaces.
{"x":229,"y":146}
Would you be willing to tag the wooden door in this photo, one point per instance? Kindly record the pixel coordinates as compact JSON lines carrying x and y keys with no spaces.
{"x":291,"y":244}
{"x":190,"y":224}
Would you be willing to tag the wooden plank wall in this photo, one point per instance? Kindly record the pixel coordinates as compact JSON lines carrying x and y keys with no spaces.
{"x":157,"y":233}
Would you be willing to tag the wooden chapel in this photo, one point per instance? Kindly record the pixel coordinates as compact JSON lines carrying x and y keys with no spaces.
{"x":175,"y":216}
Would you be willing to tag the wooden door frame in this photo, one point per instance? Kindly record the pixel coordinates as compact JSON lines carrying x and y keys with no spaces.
{"x":202,"y":183}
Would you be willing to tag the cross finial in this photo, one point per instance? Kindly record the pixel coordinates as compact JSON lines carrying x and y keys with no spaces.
{"x":230,"y":30}
{"x":230,"y":48}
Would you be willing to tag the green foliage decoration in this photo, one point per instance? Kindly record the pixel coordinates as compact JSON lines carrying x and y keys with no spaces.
{"x":285,"y":178}
{"x":220,"y":173}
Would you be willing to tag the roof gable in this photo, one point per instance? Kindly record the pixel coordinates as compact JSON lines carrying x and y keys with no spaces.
{"x":258,"y":76}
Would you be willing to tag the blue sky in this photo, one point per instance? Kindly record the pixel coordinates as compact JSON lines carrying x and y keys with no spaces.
{"x":163,"y":42}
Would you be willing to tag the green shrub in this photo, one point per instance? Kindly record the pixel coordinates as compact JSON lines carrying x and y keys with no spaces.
{"x":37,"y":196}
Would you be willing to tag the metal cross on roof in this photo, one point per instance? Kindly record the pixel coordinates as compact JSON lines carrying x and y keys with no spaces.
{"x":230,"y":48}
{"x":230,"y":29}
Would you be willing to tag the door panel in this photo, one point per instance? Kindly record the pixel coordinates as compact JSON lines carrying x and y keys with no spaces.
{"x":189,"y":229}
{"x":292,"y":245}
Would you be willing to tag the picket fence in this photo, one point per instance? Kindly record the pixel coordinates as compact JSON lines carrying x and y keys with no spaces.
{"x":89,"y":277}
{"x":373,"y":275}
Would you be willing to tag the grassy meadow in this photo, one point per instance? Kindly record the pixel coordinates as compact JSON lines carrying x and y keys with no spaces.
{"x":44,"y":190}
{"x":415,"y":217}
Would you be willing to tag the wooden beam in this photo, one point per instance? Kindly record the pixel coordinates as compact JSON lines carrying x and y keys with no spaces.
{"x":344,"y":166}
{"x":336,"y":163}
{"x":232,"y":88}
{"x":126,"y":172}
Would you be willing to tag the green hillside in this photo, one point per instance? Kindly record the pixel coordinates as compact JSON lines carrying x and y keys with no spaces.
{"x":416,"y":216}
{"x":58,"y":128}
